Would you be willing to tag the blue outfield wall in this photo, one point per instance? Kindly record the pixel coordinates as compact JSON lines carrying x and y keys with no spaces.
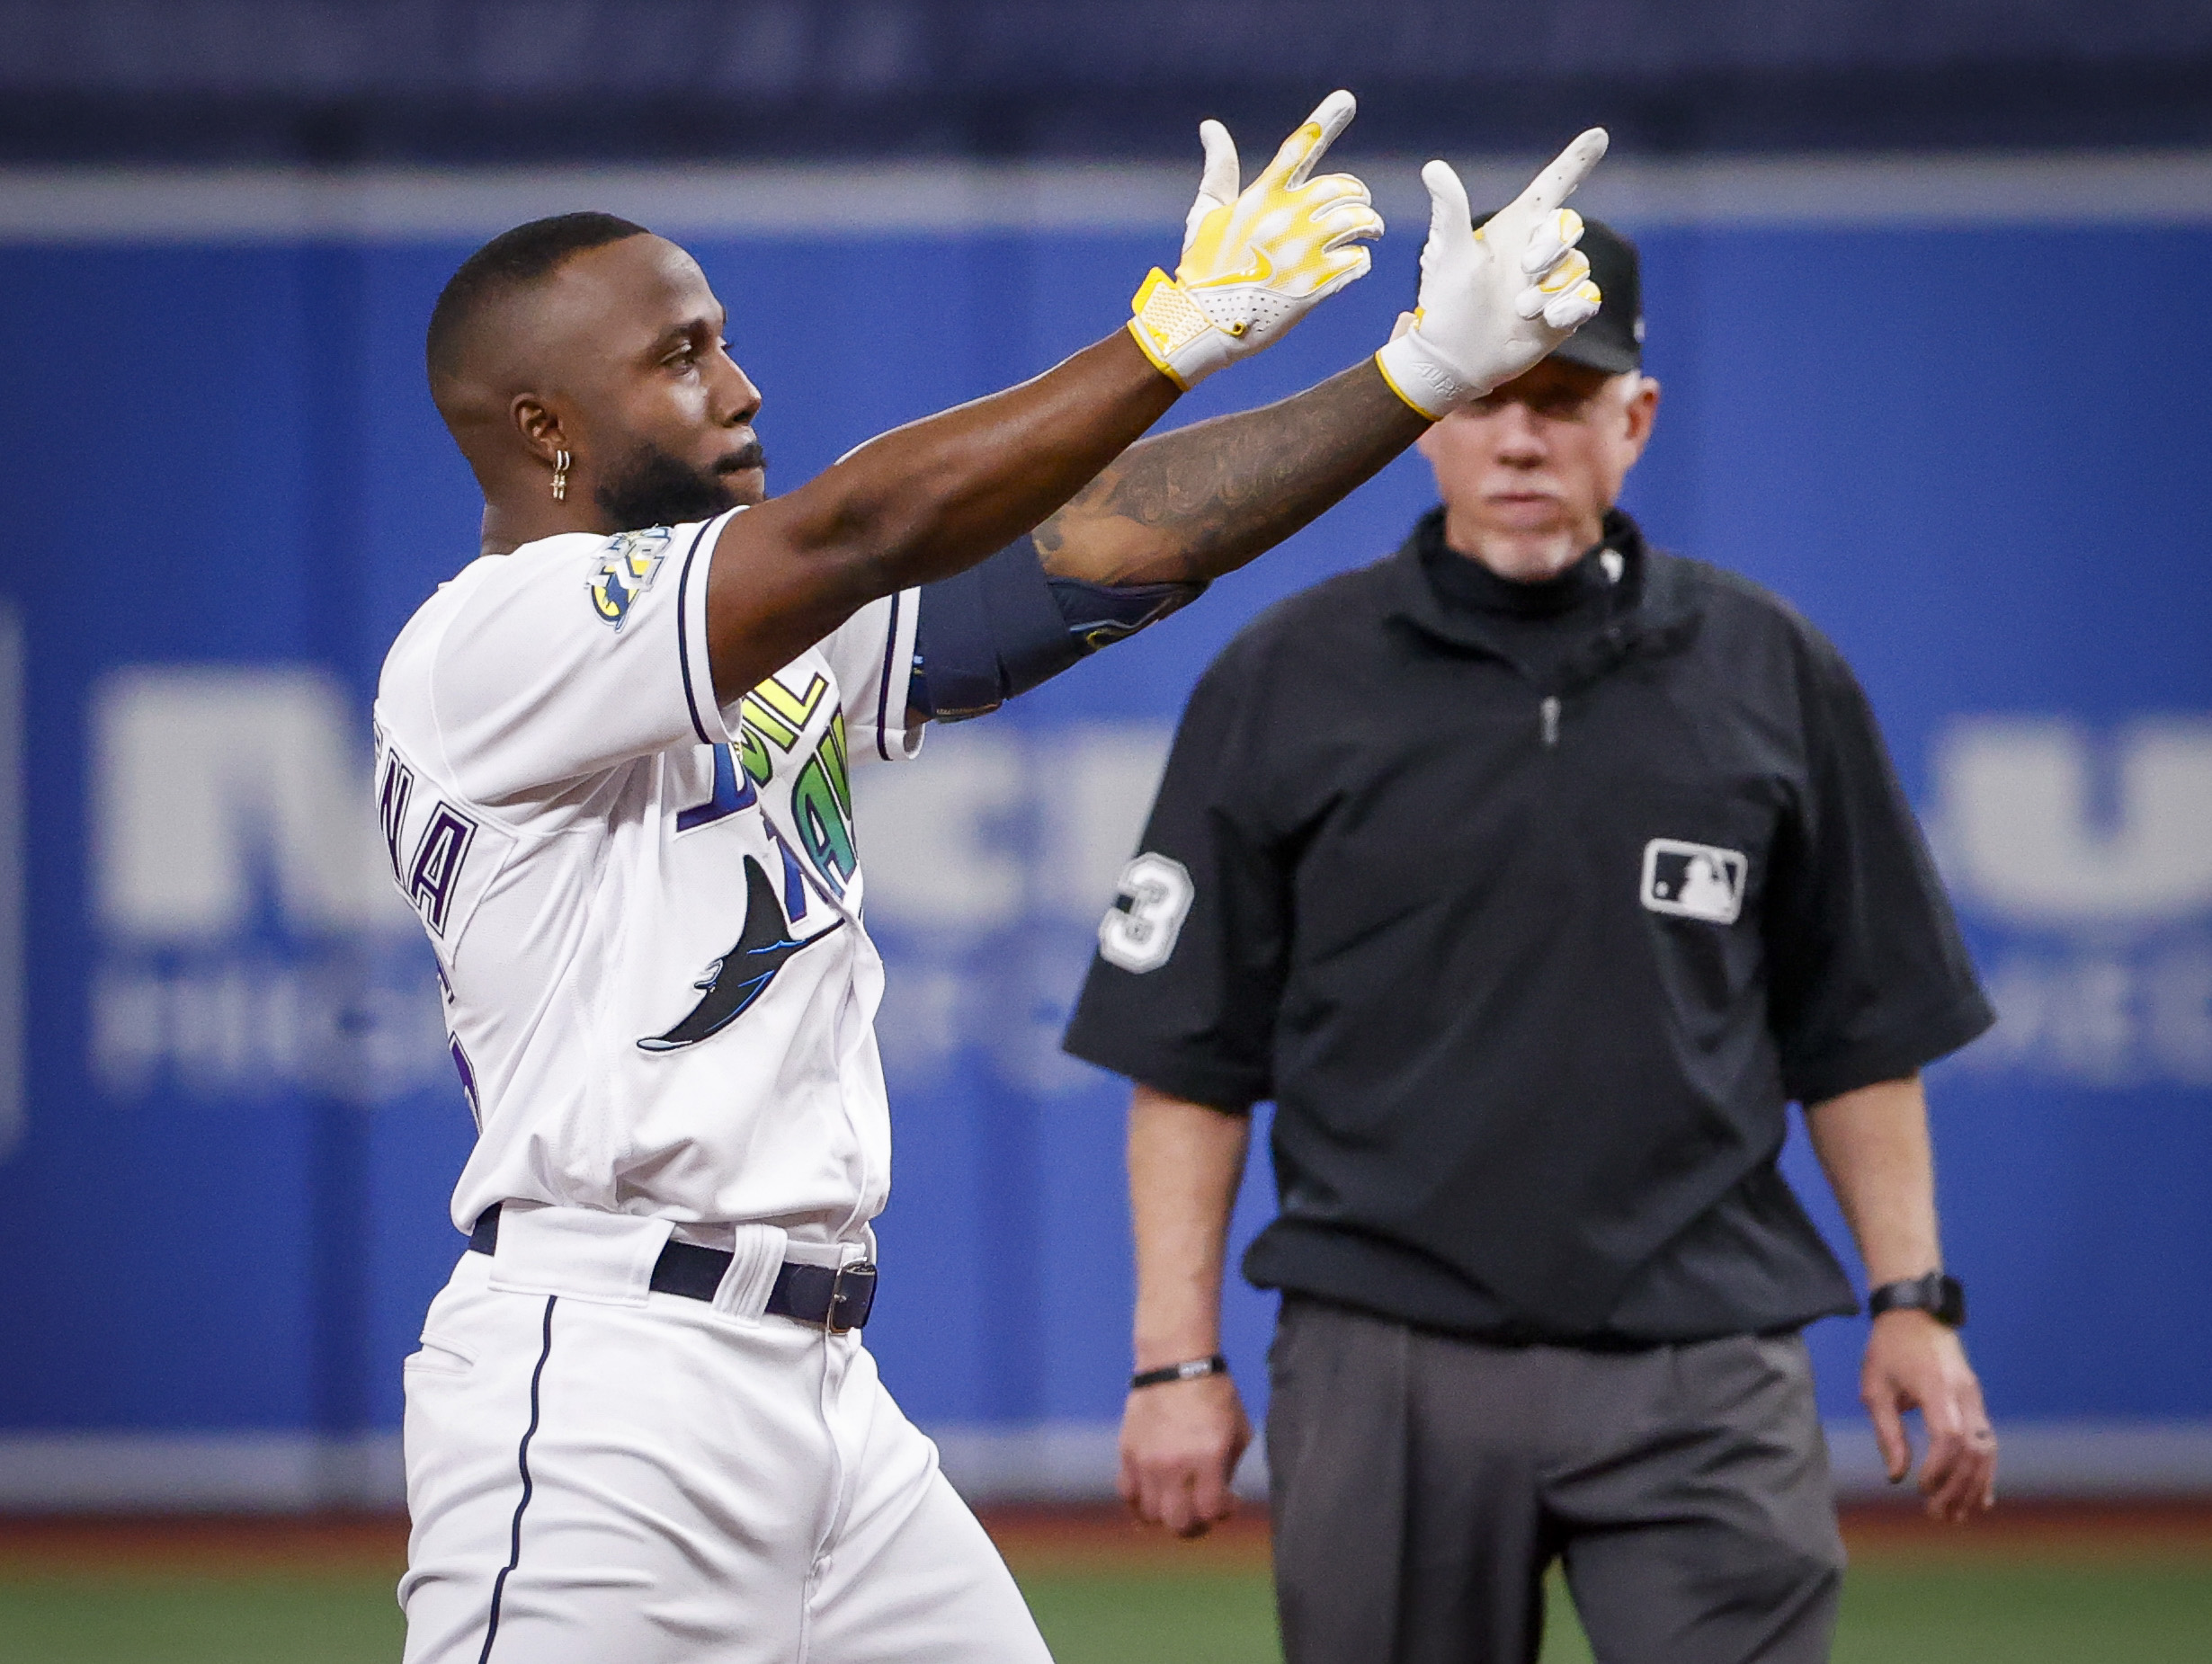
{"x":1974,"y":456}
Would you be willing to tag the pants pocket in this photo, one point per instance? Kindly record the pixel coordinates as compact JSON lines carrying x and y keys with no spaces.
{"x":438,"y":1355}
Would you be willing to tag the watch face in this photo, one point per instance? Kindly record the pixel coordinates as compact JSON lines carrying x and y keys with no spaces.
{"x":1950,"y":1305}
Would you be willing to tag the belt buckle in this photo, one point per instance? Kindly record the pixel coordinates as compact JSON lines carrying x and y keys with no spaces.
{"x":848,"y":1308}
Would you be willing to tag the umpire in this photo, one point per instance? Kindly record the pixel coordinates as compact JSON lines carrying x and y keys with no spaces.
{"x":1532,"y":873}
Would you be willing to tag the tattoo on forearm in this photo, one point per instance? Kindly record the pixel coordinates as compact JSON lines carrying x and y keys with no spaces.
{"x":1189,"y":505}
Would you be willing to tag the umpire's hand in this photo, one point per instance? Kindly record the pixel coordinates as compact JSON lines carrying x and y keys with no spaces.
{"x":1915,"y":1362}
{"x":1181,"y":1443}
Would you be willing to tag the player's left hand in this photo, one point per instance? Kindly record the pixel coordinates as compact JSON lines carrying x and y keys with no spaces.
{"x":1915,"y":1362}
{"x":1256,"y":260}
{"x":1494,"y":301}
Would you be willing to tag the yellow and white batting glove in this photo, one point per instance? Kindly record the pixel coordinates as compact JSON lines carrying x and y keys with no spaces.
{"x":1255,"y":260}
{"x":1494,"y":302}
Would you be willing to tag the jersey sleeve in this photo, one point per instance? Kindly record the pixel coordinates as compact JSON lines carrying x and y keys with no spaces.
{"x":574,"y":655}
{"x":871,"y":654}
{"x":1184,"y":992}
{"x":1869,"y":979}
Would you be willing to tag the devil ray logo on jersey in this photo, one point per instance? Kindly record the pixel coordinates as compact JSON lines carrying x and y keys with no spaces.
{"x":626,"y":571}
{"x":742,"y":975}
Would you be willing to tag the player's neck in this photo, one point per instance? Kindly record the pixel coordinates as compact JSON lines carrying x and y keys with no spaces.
{"x":509,"y":526}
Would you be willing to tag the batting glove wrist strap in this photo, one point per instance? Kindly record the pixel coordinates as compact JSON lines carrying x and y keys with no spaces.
{"x":1494,"y":302}
{"x":1256,"y":260}
{"x":1189,"y":1369}
{"x":1173,"y":330}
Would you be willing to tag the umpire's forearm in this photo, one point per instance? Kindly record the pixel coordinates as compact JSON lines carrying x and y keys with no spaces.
{"x":1873,"y":1145}
{"x":1186,"y":1160}
{"x":1188,"y":506}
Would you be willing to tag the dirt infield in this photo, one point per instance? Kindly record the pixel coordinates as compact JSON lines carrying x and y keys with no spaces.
{"x":1053,"y":1539}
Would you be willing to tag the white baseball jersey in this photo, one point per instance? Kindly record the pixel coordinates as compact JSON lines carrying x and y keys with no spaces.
{"x":645,"y":906}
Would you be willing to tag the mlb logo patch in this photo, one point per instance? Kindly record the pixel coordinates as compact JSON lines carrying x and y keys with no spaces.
{"x":1694,"y":880}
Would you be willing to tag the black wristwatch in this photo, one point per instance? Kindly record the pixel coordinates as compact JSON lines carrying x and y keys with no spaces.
{"x":1940,"y":1296}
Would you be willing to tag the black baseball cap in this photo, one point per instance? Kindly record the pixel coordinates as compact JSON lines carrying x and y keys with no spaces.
{"x":1613,"y":341}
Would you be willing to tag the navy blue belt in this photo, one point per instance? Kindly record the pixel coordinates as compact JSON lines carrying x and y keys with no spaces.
{"x":836,"y":1298}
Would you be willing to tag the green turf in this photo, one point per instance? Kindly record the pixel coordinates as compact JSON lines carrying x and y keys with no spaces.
{"x":144,"y":1619}
{"x":1110,"y":1619}
{"x":2042,"y":1611}
{"x":2151,"y":1613}
{"x":1093,"y":1619}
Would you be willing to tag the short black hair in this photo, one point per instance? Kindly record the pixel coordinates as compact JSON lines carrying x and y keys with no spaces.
{"x":511,"y":260}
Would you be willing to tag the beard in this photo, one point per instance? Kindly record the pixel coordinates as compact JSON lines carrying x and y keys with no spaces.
{"x":652,"y":487}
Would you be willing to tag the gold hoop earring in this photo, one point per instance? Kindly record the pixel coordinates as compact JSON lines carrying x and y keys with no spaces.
{"x":560,"y":476}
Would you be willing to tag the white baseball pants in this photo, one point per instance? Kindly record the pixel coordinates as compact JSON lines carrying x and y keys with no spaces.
{"x":598,"y":1472}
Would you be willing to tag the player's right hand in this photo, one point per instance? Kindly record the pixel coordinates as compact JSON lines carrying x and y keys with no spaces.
{"x":1255,"y":260}
{"x":1494,"y":301}
{"x":1181,"y":1443}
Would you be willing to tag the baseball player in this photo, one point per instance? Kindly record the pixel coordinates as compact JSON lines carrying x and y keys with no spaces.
{"x":614,"y":759}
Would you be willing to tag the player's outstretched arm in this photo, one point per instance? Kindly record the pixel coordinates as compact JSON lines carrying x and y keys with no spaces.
{"x":937,"y":495}
{"x":920,"y":503}
{"x":1188,"y":506}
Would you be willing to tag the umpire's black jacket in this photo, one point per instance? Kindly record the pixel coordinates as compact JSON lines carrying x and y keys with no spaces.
{"x":1532,"y":926}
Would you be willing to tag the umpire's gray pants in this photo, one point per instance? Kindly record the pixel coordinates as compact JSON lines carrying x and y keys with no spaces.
{"x":1422,"y":1483}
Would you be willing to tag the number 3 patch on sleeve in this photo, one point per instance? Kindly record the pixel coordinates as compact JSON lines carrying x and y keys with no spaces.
{"x":1139,"y":930}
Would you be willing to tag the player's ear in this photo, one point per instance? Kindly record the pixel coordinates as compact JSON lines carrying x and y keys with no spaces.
{"x":540,"y":426}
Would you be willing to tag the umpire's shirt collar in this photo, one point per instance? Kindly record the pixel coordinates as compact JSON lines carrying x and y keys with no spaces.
{"x":1609,"y":605}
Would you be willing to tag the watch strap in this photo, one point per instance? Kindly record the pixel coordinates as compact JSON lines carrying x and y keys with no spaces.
{"x":1940,"y":1295}
{"x":1189,"y":1369}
